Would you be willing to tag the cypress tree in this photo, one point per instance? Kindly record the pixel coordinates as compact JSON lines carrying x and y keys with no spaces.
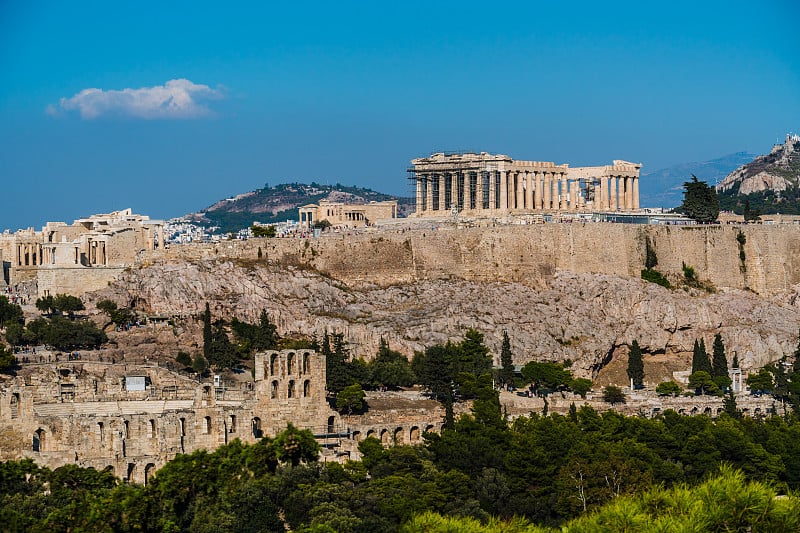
{"x":719,"y":362}
{"x":635,"y":365}
{"x":506,"y":362}
{"x":700,"y":360}
{"x":208,"y":337}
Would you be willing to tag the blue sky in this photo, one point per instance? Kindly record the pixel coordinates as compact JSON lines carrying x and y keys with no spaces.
{"x":195,"y":101}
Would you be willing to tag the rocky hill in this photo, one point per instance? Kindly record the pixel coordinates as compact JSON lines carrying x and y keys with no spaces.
{"x":769,"y":183}
{"x":280,"y":202}
{"x":664,"y":187}
{"x":558,"y":298}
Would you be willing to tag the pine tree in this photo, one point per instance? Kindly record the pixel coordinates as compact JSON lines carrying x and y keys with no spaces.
{"x":207,"y":333}
{"x":506,"y":376}
{"x":636,"y":365}
{"x":700,"y":201}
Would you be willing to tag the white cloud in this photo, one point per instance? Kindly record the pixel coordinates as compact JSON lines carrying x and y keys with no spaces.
{"x":175,"y":99}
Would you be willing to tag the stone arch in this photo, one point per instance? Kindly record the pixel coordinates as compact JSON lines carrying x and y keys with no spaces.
{"x":356,"y":436}
{"x":371,"y":433}
{"x":681,"y":411}
{"x":306,"y":389}
{"x":655,"y":411}
{"x":255,"y":425}
{"x":232,"y":424}
{"x":273,"y":390}
{"x":745,"y":411}
{"x":290,"y":364}
{"x":398,"y":436}
{"x":331,"y":424}
{"x":148,"y":471}
{"x":39,"y":443}
{"x":413,"y":434}
{"x":428,"y":428}
{"x":385,"y":436}
{"x":273,"y":359}
{"x":306,"y":359}
{"x":694,"y":411}
{"x":151,"y":428}
{"x":290,"y":389}
{"x":15,"y":405}
{"x":131,"y":472}
{"x":207,"y":425}
{"x":720,"y":409}
{"x":707,"y":411}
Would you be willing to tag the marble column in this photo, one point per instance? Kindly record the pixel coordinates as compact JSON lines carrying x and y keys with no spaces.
{"x":554,"y":194}
{"x":539,"y":190}
{"x":529,"y":190}
{"x":453,"y":190}
{"x":564,"y":192}
{"x":420,"y":205}
{"x":440,"y":181}
{"x":573,"y":194}
{"x":428,"y":193}
{"x":479,"y":190}
{"x":492,"y":191}
{"x":503,"y":189}
{"x":636,"y":192}
{"x":613,"y":193}
{"x":520,"y":199}
{"x":547,"y":189}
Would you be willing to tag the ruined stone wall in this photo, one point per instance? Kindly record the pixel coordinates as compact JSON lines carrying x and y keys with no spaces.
{"x":531,"y":254}
{"x":74,"y":280}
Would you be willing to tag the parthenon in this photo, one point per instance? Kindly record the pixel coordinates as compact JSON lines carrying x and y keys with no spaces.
{"x":483,"y":184}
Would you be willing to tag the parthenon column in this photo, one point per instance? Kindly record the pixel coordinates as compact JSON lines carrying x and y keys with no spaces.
{"x":539,"y":190}
{"x":467,"y":203}
{"x":554,"y":195}
{"x":503,"y":189}
{"x":428,"y":193}
{"x":419,"y":195}
{"x":546,"y":190}
{"x":614,"y":189}
{"x":564,"y":192}
{"x":479,"y":190}
{"x":520,"y":190}
{"x":492,"y":192}
{"x":453,"y":190}
{"x":529,"y":190}
{"x":636,"y":192}
{"x":573,"y":194}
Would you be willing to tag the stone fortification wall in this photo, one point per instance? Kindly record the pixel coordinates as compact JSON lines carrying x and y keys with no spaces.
{"x":77,"y":280}
{"x":531,"y":254}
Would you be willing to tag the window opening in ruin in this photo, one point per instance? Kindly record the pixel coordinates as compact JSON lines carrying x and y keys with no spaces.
{"x":398,"y":436}
{"x":448,"y":191}
{"x":290,"y":364}
{"x":356,"y":436}
{"x":67,"y":392}
{"x":131,"y":471}
{"x":274,"y":390}
{"x":385,"y":436}
{"x":126,"y":429}
{"x":272,"y":359}
{"x":14,"y":405}
{"x":124,"y":449}
{"x":306,"y":389}
{"x":207,"y":425}
{"x":256,"y":427}
{"x":182,"y":423}
{"x":290,"y":390}
{"x":413,"y":434}
{"x":101,"y":432}
{"x":473,"y":189}
{"x":428,"y":428}
{"x":306,"y":358}
{"x":232,"y":428}
{"x":371,"y":433}
{"x":331,"y":422}
{"x":151,"y":433}
{"x":39,"y":441}
{"x":148,"y":472}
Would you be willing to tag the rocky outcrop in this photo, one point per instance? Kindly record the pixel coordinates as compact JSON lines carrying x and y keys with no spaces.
{"x":587,"y":318}
{"x":777,"y":171}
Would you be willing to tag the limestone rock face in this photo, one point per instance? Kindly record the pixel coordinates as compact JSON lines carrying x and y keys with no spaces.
{"x":776,"y":171}
{"x":584,"y":317}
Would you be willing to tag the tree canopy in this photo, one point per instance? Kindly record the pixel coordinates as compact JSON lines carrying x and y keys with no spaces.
{"x":700,"y":201}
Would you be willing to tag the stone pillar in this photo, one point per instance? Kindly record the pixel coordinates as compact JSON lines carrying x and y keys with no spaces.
{"x":613,"y":193}
{"x":564,"y":192}
{"x":529,"y":190}
{"x":440,"y":182}
{"x":466,"y":191}
{"x":492,"y":192}
{"x":419,"y":203}
{"x":503,"y":189}
{"x":428,"y":193}
{"x":539,"y":190}
{"x":520,"y":197}
{"x":547,"y":189}
{"x":479,"y":191}
{"x":573,"y":194}
{"x":554,"y":194}
{"x":636,"y":192}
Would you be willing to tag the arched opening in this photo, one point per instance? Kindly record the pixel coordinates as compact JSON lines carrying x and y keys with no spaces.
{"x":385,"y":436}
{"x":694,"y":411}
{"x":290,"y":389}
{"x":256,"y":427}
{"x":371,"y":433}
{"x":331,"y":423}
{"x":398,"y":437}
{"x":182,"y":429}
{"x":207,"y":392}
{"x":681,"y":411}
{"x":273,"y":359}
{"x":151,"y":428}
{"x":356,"y":436}
{"x":306,"y":389}
{"x":413,"y":434}
{"x":207,"y":425}
{"x":290,"y":364}
{"x":14,"y":405}
{"x":273,"y":392}
{"x":707,"y":411}
{"x":306,"y":358}
{"x":109,"y":469}
{"x":131,"y":472}
{"x":39,"y":438}
{"x":232,"y":425}
{"x":428,"y":428}
{"x":148,"y":471}
{"x":126,"y":429}
{"x":101,"y":433}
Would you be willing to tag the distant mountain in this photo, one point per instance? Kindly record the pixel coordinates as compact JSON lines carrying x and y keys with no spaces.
{"x":281,"y":202}
{"x":769,"y":183}
{"x":664,"y":188}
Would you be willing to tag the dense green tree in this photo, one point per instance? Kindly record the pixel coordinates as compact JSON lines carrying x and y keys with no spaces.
{"x":9,"y":313}
{"x":338,"y":375}
{"x":436,"y":371}
{"x":390,"y":368}
{"x":703,"y":383}
{"x":505,"y":376}
{"x":613,"y":394}
{"x":761,"y":382}
{"x":719,"y":363}
{"x":7,"y":359}
{"x":668,"y":388}
{"x":700,"y":201}
{"x":700,"y":359}
{"x":546,"y":377}
{"x":474,"y":355}
{"x":118,"y":316}
{"x":256,"y":337}
{"x":650,"y":257}
{"x":635,"y":368}
{"x":581,"y":386}
{"x":294,"y":446}
{"x":46,"y":304}
{"x":64,"y":334}
{"x":184,"y":359}
{"x":351,"y":399}
{"x":263,"y":231}
{"x":751,"y":215}
{"x":66,"y":303}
